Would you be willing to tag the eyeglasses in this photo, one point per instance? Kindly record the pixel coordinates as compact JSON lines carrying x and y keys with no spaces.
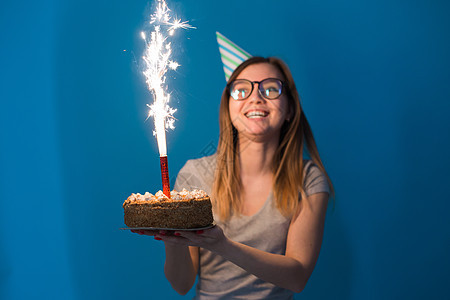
{"x":269,"y":88}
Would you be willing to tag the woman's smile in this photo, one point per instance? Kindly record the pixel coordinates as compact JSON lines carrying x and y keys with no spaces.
{"x":256,"y":114}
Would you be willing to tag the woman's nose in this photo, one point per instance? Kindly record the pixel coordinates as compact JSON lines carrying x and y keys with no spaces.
{"x":256,"y":94}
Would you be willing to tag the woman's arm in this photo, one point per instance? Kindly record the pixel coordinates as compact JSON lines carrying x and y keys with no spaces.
{"x":290,"y":271}
{"x":181,"y":267}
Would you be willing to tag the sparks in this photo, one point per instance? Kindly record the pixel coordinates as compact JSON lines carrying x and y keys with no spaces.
{"x":173,"y":65}
{"x":177,"y":23}
{"x":157,"y":60}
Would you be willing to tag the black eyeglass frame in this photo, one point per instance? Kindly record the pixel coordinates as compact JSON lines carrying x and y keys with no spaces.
{"x":253,"y":86}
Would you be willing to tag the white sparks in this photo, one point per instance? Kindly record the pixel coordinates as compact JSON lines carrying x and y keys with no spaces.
{"x":173,"y":65}
{"x":178,"y":24}
{"x":157,"y":59}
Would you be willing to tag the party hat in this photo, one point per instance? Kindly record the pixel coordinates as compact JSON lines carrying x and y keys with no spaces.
{"x":232,"y":55}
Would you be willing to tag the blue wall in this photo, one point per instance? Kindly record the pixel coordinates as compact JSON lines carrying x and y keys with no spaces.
{"x":374,"y":80}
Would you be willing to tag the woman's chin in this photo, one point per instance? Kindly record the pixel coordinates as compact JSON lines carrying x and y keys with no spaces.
{"x":259,"y":135}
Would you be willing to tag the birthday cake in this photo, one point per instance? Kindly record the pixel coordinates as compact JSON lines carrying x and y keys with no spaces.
{"x":183,"y":210}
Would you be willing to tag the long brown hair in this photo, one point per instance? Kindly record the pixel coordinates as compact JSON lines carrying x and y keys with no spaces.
{"x":287,"y":164}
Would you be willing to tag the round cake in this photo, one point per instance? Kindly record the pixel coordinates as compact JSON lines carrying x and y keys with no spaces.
{"x":183,"y":210}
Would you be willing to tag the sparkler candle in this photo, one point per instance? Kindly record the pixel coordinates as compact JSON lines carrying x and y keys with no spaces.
{"x":165,"y":175}
{"x":157,"y":59}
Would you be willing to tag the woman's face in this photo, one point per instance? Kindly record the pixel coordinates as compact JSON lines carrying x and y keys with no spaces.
{"x":257,"y":118}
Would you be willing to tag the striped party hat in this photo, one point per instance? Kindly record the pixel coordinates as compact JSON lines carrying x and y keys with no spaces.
{"x":232,"y":55}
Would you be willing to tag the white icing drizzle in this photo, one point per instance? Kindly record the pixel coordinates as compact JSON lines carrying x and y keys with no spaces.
{"x":174,"y":195}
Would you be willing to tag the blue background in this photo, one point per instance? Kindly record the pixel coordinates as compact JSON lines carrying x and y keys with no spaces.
{"x":374,"y":80}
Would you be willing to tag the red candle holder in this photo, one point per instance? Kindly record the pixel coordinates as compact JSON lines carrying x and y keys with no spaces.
{"x":165,"y":175}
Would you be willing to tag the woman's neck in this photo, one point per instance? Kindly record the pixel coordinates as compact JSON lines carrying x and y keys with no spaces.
{"x":256,"y":157}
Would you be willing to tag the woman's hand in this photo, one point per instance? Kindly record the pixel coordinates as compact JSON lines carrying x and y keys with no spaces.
{"x":145,"y":232}
{"x":210,"y":239}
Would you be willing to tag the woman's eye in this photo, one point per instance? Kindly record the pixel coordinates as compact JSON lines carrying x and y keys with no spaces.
{"x":272,"y":91}
{"x":239,"y":93}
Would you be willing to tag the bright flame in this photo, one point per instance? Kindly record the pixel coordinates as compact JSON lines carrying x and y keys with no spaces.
{"x":157,"y":59}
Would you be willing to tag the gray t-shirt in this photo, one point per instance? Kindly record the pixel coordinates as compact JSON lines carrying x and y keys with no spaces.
{"x":266,"y":230}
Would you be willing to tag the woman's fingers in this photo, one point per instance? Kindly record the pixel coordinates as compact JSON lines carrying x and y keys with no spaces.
{"x":174,"y":240}
{"x":144,"y":232}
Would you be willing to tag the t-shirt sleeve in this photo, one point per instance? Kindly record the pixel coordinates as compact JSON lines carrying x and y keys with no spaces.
{"x":182,"y":181}
{"x":184,"y":178}
{"x":315,"y":180}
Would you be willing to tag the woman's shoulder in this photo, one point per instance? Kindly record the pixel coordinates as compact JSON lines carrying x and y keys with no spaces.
{"x":200,"y":164}
{"x":309,"y":166}
{"x":197,"y":174}
{"x":314,"y":179}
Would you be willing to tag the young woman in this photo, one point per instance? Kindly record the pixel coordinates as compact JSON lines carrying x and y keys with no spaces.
{"x":269,"y":202}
